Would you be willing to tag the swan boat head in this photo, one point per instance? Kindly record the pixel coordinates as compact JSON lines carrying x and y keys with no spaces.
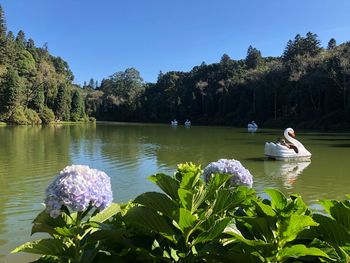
{"x":295,"y":150}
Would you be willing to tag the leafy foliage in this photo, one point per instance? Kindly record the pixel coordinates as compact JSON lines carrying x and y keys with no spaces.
{"x":307,"y":86}
{"x":194,"y":221}
{"x":33,"y":79}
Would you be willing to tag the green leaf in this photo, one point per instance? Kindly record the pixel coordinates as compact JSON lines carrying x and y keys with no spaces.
{"x":278,"y":200}
{"x":173,"y":254}
{"x":159,"y":202}
{"x":254,"y":243}
{"x":295,"y":206}
{"x":331,"y":231}
{"x":151,"y":220}
{"x":341,"y":213}
{"x":294,"y":225}
{"x":44,"y":223}
{"x":198,"y":198}
{"x":216,"y":182}
{"x":214,"y":232}
{"x":106,"y":214}
{"x":186,"y":220}
{"x":185,"y":197}
{"x":226,"y":199}
{"x":64,"y":231}
{"x":261,"y":227}
{"x":111,"y":236}
{"x":327,"y":204}
{"x":167,"y":183}
{"x":263,"y":209}
{"x":50,"y":247}
{"x":297,"y":251}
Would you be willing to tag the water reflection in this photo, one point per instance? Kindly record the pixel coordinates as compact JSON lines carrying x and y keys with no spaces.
{"x":288,"y":172}
{"x":252,"y":130}
{"x":31,"y":156}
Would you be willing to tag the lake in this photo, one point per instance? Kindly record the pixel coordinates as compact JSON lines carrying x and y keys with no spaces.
{"x":31,"y":156}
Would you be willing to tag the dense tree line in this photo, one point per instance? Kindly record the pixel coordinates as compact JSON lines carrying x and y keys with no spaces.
{"x":307,"y":86}
{"x":35,"y":87}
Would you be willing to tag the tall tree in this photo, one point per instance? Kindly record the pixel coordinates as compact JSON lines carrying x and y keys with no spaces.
{"x":77,"y":106}
{"x":12,"y":91}
{"x":62,"y":103}
{"x":21,"y":40}
{"x":92,"y":83}
{"x":225,"y":59}
{"x":253,"y":58}
{"x":301,"y":46}
{"x":332,"y":44}
{"x":11,"y":51}
{"x":3,"y":29}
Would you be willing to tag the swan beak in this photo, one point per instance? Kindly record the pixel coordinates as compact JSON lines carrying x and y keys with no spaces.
{"x":292,"y":134}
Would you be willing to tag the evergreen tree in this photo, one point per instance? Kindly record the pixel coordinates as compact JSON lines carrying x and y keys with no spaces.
{"x":12,"y":90}
{"x":2,"y":37}
{"x":3,"y":28}
{"x":21,"y":40}
{"x":62,"y":103}
{"x":38,"y":100}
{"x":312,"y":44}
{"x":10,"y":48}
{"x":77,"y":106}
{"x":301,"y":46}
{"x":253,"y":58}
{"x":332,"y":44}
{"x":160,"y":75}
{"x":30,"y":44}
{"x":225,"y":59}
{"x":92,"y":83}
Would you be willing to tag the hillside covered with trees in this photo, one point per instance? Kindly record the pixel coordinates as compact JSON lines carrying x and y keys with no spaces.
{"x":35,"y":87}
{"x":307,"y":86}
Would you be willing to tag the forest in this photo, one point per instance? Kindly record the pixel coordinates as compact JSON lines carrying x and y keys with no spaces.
{"x":35,"y":87}
{"x":307,"y":86}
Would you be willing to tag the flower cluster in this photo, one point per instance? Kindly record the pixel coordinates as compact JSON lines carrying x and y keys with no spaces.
{"x":77,"y":187}
{"x":241,"y":176}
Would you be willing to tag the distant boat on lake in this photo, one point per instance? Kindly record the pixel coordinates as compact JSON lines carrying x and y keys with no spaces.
{"x":252,"y":127}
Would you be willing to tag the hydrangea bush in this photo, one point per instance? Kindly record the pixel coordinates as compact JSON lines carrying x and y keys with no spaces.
{"x":77,"y":187}
{"x":241,"y":175}
{"x":188,"y":221}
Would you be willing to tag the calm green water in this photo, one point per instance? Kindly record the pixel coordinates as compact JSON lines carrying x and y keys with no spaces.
{"x":31,"y":156}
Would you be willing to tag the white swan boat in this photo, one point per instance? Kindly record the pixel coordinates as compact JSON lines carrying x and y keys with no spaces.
{"x":174,"y":123}
{"x":293,"y":151}
{"x":187,"y":123}
{"x":252,"y":127}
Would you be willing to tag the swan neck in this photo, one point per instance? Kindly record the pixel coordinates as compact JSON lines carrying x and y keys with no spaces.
{"x":290,"y":139}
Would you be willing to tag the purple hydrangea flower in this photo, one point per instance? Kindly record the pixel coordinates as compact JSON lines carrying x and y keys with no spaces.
{"x":241,"y":176}
{"x":76,"y":187}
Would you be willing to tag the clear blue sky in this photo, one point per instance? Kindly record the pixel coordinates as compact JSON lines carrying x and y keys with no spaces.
{"x":98,"y":38}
